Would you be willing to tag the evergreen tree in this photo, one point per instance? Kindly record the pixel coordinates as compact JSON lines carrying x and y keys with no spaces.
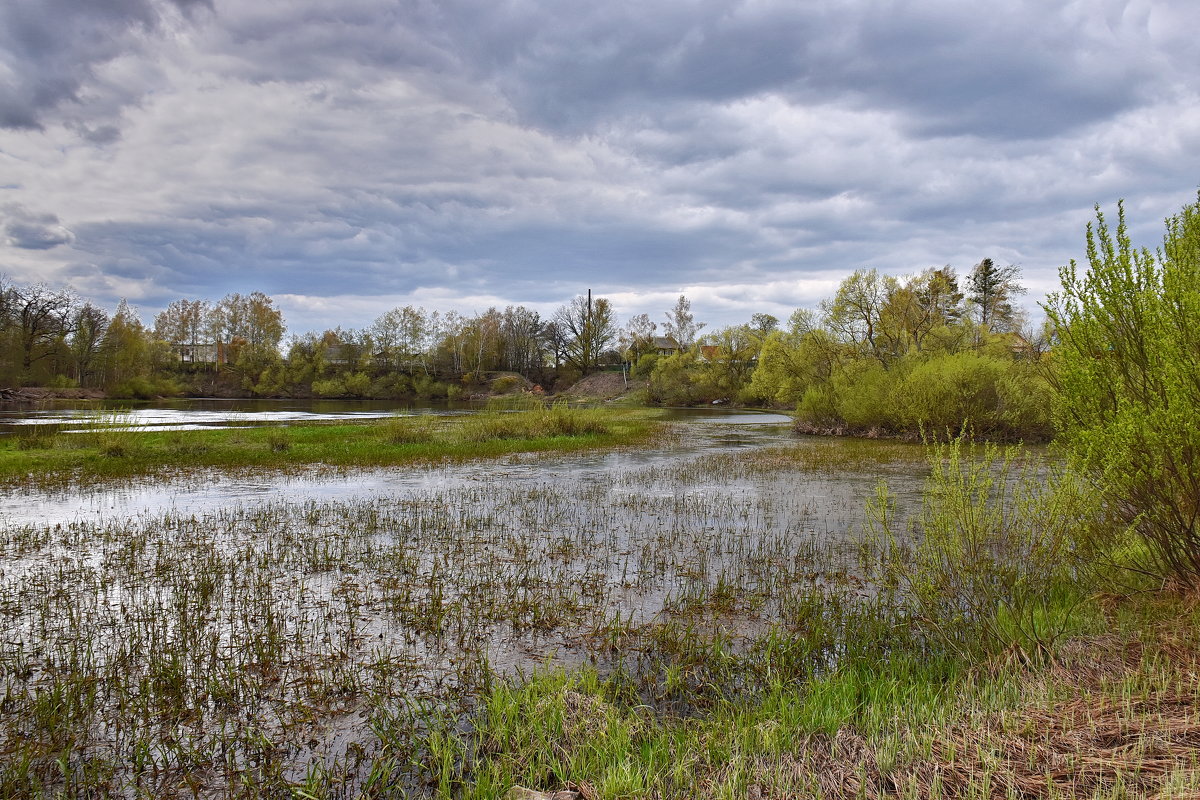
{"x":992,"y":289}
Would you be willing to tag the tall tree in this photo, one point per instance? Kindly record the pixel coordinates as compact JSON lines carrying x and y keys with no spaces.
{"x":125,"y":350}
{"x":251,"y":318}
{"x":401,"y":335}
{"x":42,"y":319}
{"x":522,"y":345}
{"x":637,"y":337}
{"x":681,"y":325}
{"x":88,"y":326}
{"x":763,"y":324}
{"x":855,"y":312}
{"x":183,"y":322}
{"x":589,"y":328}
{"x":992,"y":289}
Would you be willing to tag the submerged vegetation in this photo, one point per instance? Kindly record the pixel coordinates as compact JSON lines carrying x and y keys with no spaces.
{"x":648,"y":632}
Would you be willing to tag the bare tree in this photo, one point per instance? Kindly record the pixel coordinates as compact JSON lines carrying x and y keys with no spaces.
{"x":588,"y":328}
{"x":42,"y":319}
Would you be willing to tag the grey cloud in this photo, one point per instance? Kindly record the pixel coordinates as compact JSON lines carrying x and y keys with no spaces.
{"x":29,"y":230}
{"x":1022,"y":69}
{"x":533,"y":150}
{"x":51,"y":47}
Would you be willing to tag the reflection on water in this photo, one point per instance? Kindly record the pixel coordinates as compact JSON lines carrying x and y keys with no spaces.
{"x":196,"y":418}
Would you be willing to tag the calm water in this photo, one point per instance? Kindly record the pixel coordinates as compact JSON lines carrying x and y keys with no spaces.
{"x":214,"y":413}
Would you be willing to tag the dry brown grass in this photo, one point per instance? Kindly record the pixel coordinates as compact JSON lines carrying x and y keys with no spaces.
{"x":1109,"y":735}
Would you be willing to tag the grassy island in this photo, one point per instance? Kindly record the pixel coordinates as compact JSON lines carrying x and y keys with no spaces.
{"x":111,"y":448}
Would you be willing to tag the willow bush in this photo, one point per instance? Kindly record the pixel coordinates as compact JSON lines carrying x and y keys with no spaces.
{"x":1127,"y":380}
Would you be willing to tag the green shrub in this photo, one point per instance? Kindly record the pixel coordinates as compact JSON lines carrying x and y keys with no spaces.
{"x":331,"y":387}
{"x":644,"y":366}
{"x":866,"y":396}
{"x":428,"y":387}
{"x":143,"y":388}
{"x":1127,"y":383}
{"x":993,"y":559}
{"x":819,"y":407}
{"x":357,"y":384}
{"x":391,"y":386}
{"x":506,"y":383}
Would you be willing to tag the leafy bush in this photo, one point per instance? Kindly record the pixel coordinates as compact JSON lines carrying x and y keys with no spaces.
{"x":1127,"y":380}
{"x":358,"y":384}
{"x":991,"y":561}
{"x":390,"y":386}
{"x":818,"y":407}
{"x":143,"y":388}
{"x":506,"y":383}
{"x":866,"y":396}
{"x":331,"y":387}
{"x":674,"y":380}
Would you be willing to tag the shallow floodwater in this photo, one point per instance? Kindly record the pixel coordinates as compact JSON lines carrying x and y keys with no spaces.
{"x":707,"y":432}
{"x":320,"y":611}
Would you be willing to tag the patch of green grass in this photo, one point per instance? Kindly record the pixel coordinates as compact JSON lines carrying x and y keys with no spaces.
{"x":114,"y":451}
{"x":904,"y":721}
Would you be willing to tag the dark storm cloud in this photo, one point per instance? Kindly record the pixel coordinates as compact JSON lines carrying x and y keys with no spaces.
{"x":50,"y":48}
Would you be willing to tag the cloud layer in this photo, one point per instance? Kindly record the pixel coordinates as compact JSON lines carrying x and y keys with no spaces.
{"x":346,"y":157}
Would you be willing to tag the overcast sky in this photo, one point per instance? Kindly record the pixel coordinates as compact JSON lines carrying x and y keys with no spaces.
{"x":348,"y":156}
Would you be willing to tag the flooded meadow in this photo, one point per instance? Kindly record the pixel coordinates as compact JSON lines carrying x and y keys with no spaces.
{"x":323,"y":633}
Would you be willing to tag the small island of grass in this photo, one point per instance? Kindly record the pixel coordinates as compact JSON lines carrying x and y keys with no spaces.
{"x":111,"y":448}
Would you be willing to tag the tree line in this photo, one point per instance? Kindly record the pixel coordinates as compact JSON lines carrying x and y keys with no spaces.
{"x":874,"y":325}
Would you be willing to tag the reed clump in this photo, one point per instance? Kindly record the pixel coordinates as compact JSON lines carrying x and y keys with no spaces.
{"x":37,"y":437}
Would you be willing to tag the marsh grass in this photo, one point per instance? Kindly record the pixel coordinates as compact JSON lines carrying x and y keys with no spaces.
{"x":37,"y":437}
{"x":653,"y":632}
{"x":111,"y":448}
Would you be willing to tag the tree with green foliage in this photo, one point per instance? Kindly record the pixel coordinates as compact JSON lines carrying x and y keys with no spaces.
{"x":992,"y":290}
{"x":88,"y":326}
{"x":792,"y":361}
{"x":637,"y":337}
{"x":855,"y":313}
{"x":1127,"y":375}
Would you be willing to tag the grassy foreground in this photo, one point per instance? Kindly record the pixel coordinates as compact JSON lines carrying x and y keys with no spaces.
{"x":111,"y":449}
{"x":1112,"y":715}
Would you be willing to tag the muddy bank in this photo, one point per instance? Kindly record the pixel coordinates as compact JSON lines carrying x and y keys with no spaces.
{"x":35,"y":394}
